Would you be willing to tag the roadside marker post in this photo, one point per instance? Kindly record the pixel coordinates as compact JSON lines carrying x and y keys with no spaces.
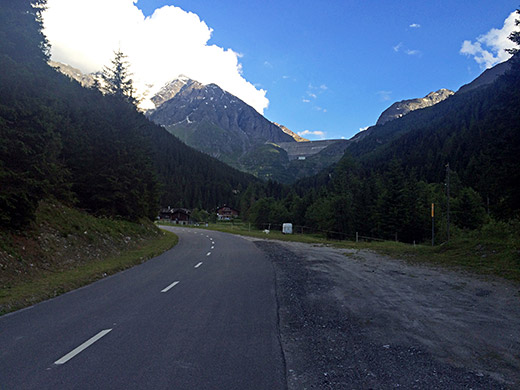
{"x":433,"y":224}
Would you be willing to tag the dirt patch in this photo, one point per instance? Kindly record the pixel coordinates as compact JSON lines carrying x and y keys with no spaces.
{"x":355,"y":319}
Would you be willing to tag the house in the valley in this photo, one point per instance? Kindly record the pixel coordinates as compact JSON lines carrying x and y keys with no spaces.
{"x":226,"y":213}
{"x":180,"y":216}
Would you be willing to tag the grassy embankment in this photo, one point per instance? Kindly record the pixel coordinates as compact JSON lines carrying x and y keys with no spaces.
{"x":492,"y":250}
{"x":66,"y":249}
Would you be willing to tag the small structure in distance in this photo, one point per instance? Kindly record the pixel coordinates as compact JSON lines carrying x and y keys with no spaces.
{"x":287,"y":228}
{"x":179,"y":215}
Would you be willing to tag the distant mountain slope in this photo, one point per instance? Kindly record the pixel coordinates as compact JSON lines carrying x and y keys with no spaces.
{"x":86,"y":80}
{"x":477,"y":132}
{"x":296,"y":137}
{"x":214,"y":121}
{"x":400,"y":109}
{"x":487,"y":77}
{"x":223,"y":126}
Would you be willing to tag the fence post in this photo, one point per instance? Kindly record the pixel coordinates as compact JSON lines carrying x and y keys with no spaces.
{"x":357,"y":237}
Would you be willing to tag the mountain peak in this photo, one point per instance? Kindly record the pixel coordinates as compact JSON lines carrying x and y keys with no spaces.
{"x":400,"y":109}
{"x":173,"y":87}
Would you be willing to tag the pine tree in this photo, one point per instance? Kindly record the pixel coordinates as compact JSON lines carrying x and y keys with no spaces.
{"x":515,"y":37}
{"x":117,"y":81}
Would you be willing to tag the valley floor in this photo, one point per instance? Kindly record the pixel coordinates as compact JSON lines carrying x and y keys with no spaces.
{"x":355,"y":319}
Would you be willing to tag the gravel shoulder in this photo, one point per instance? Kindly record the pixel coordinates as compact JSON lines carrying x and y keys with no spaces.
{"x":357,"y":320}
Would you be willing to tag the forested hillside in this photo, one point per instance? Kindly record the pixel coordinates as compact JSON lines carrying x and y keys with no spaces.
{"x":386,"y":183}
{"x":87,"y":149}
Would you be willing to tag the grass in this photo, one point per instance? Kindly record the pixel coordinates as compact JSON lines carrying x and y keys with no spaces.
{"x":51,"y":284}
{"x":66,"y":249}
{"x":493,"y":250}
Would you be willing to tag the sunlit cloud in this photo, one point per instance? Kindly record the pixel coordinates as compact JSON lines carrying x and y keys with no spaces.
{"x":489,"y":48}
{"x":415,"y":25}
{"x":160,"y":47}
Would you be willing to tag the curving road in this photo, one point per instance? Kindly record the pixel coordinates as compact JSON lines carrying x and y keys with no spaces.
{"x":200,"y":316}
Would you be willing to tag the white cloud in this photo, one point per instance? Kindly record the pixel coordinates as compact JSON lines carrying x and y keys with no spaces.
{"x":317,"y":133}
{"x":398,"y":47}
{"x":384,"y":95}
{"x":306,"y":100}
{"x":401,"y":47}
{"x":85,"y":33}
{"x":412,"y":52}
{"x":363,"y":128}
{"x":415,"y":25}
{"x":489,"y":49}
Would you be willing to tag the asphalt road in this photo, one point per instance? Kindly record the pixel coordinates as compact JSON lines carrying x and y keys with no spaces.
{"x":200,"y":316}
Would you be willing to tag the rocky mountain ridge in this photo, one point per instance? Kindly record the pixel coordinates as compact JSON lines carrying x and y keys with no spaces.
{"x":296,"y":137}
{"x":400,"y":109}
{"x":87,"y":80}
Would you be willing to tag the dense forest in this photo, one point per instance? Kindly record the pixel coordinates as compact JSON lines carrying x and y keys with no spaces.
{"x":462,"y":154}
{"x":96,"y":151}
{"x":85,"y":148}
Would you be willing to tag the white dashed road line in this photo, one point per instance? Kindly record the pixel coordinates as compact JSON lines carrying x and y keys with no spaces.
{"x":209,"y":253}
{"x":170,"y":286}
{"x":198,"y":265}
{"x":82,"y":347}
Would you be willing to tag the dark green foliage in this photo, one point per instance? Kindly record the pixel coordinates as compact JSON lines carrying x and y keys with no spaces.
{"x":515,"y":37}
{"x":21,"y":36}
{"x":468,"y":210}
{"x":97,"y":152}
{"x":117,"y":81}
{"x":385,"y":184}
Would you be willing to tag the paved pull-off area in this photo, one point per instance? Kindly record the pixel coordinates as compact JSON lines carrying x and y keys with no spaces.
{"x":224,"y":312}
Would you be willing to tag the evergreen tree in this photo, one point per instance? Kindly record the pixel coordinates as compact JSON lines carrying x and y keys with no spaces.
{"x":515,"y":38}
{"x":117,"y":81}
{"x":468,"y":210}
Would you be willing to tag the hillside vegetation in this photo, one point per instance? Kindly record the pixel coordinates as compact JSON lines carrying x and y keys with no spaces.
{"x":65,"y":249}
{"x":84,"y":148}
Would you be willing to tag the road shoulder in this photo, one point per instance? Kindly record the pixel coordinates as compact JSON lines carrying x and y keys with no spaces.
{"x":351,"y":319}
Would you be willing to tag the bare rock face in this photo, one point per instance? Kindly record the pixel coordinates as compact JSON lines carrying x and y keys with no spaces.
{"x":172,"y":88}
{"x":87,"y":80}
{"x":296,"y":137}
{"x":400,"y":109}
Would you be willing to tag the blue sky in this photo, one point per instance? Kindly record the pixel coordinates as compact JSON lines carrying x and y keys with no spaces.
{"x":331,"y":67}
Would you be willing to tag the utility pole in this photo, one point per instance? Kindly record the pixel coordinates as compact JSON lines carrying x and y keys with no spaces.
{"x":448,"y":200}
